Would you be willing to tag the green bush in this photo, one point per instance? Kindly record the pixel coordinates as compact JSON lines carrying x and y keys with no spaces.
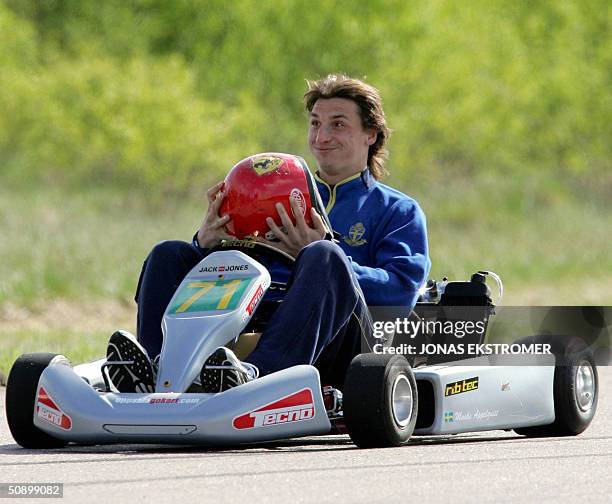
{"x":103,"y":119}
{"x":164,"y":93}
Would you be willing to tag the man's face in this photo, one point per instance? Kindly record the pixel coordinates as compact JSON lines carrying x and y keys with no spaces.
{"x":337,"y":139}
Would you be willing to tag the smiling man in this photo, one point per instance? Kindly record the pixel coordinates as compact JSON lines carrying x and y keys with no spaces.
{"x":337,"y":138}
{"x":380,"y":259}
{"x":382,"y":231}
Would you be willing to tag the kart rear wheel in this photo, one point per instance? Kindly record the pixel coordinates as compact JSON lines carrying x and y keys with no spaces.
{"x":575,"y":392}
{"x":380,"y":400}
{"x":21,"y":393}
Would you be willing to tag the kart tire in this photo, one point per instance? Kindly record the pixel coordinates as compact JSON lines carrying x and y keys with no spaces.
{"x":575,"y":390}
{"x":380,"y":400}
{"x":21,"y":393}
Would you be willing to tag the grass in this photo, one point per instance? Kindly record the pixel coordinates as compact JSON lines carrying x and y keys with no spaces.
{"x":549,"y":246}
{"x":76,"y":345}
{"x":70,"y":258}
{"x":69,"y":262}
{"x":82,"y":245}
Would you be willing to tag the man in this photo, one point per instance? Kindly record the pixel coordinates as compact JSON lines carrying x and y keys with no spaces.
{"x":382,"y":255}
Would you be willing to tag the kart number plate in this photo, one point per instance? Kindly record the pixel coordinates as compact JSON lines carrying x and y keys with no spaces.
{"x":209,"y":295}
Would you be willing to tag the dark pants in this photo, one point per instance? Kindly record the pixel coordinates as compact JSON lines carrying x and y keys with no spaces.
{"x":322,"y":319}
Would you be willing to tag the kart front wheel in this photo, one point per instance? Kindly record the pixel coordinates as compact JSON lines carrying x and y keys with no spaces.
{"x":575,"y":392}
{"x":380,"y":400}
{"x":21,"y":393}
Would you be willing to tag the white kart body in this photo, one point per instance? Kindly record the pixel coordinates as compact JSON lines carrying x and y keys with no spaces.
{"x":211,"y":307}
{"x":506,"y":397}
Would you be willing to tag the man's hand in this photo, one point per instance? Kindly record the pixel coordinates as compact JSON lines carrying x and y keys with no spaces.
{"x":212,"y":230}
{"x":295,"y":238}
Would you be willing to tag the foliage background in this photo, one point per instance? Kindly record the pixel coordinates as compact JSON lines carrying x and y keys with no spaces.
{"x":116,"y":115}
{"x":163,"y":93}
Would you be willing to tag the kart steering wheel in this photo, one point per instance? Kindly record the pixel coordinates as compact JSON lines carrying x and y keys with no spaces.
{"x":256,"y":250}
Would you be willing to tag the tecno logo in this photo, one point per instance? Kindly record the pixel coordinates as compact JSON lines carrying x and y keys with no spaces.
{"x":224,"y":268}
{"x":48,"y":410}
{"x":282,"y":415}
{"x":50,"y":416}
{"x":296,"y":407}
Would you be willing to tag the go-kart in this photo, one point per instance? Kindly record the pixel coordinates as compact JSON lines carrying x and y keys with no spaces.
{"x":384,"y":400}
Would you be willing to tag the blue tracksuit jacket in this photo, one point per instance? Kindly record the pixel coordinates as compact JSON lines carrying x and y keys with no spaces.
{"x":384,"y":233}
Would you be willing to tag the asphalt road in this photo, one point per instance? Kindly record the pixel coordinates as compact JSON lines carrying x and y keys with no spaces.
{"x":490,"y":467}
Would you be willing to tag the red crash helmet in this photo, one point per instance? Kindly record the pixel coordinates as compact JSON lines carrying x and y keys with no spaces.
{"x":254,"y":186}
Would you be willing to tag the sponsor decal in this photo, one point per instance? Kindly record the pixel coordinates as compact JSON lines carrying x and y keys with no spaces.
{"x":224,"y":268}
{"x":296,"y":407}
{"x":266,"y":164}
{"x":297,"y":195}
{"x":210,"y":295}
{"x":239,"y":243}
{"x":173,"y":400}
{"x":355,"y":235}
{"x":461,"y":386}
{"x":154,"y":400}
{"x":254,"y":300}
{"x":47,"y":410}
{"x":469,"y":416}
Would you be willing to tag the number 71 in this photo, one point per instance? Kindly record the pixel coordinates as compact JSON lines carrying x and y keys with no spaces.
{"x":204,"y":287}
